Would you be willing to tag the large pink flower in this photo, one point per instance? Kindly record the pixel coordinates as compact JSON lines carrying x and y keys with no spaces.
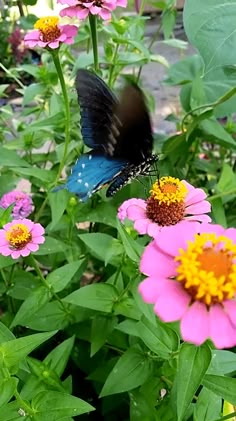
{"x":171,"y":202}
{"x":20,"y":238}
{"x":191,"y":271}
{"x":81,"y":8}
{"x":49,"y":34}
{"x":23,"y":205}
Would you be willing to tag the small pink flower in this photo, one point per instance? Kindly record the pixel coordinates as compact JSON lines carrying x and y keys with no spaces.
{"x":192,"y":278}
{"x":20,"y":238}
{"x":49,"y":34}
{"x":82,"y":8}
{"x":23,"y":205}
{"x":171,"y":202}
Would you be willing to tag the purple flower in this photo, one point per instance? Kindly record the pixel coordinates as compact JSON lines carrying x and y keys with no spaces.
{"x":23,"y":203}
{"x":82,"y":8}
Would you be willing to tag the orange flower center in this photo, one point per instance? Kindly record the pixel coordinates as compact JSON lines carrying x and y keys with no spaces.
{"x":18,"y":236}
{"x":48,"y":27}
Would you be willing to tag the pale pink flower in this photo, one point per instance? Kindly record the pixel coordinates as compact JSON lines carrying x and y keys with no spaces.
{"x":82,"y":8}
{"x":191,"y":271}
{"x":171,"y":202}
{"x":48,"y":33}
{"x":20,"y":238}
{"x":23,"y":205}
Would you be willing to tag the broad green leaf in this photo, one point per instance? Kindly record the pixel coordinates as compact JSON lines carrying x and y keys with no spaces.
{"x":5,"y":334}
{"x":159,"y":338}
{"x":193,"y":364}
{"x":31,"y":305}
{"x":46,"y":123}
{"x":103,"y":246}
{"x":50,"y":246}
{"x":58,"y":202}
{"x":132,"y":370}
{"x":54,"y":406}
{"x":12,"y":352}
{"x":100,"y":297}
{"x":6,"y":261}
{"x":218,"y":211}
{"x":51,"y":316}
{"x":59,"y":278}
{"x":32,"y":91}
{"x":59,"y":356}
{"x":98,"y":214}
{"x":222,"y":386}
{"x":43,"y":175}
{"x":23,"y":284}
{"x":213,"y":127}
{"x":208,"y":406}
{"x":11,"y":159}
{"x":227,"y":182}
{"x":102,"y":326}
{"x":7,"y":389}
{"x":10,"y":412}
{"x":131,"y":246}
{"x":223,"y":362}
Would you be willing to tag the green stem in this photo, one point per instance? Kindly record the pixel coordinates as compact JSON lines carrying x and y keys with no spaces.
{"x":23,"y":405}
{"x":113,"y":64}
{"x":34,"y":263}
{"x":9,"y":73}
{"x":141,"y":9}
{"x":94,"y":36}
{"x":57,"y":64}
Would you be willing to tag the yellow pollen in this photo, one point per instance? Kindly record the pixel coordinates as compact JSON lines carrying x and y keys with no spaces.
{"x":48,"y":26}
{"x":18,"y":236}
{"x":169,"y":190}
{"x":207,"y":268}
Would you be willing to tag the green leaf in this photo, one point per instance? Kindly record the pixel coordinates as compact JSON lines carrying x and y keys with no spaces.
{"x":39,"y":173}
{"x":103,"y":246}
{"x":59,"y":278}
{"x":100,"y":297}
{"x":222,"y":386}
{"x":12,"y":352}
{"x":23,"y":284}
{"x":218,"y":211}
{"x":32,"y":91}
{"x":11,"y":159}
{"x":193,"y":364}
{"x":50,"y":246}
{"x":57,"y":359}
{"x":208,"y":406}
{"x":31,"y":305}
{"x":213,"y":127}
{"x":6,"y":261}
{"x":227,"y":182}
{"x":158,"y":337}
{"x":5,"y":334}
{"x":50,"y":316}
{"x":131,"y":246}
{"x":58,"y":202}
{"x":46,"y":124}
{"x":7,"y":388}
{"x":131,"y":371}
{"x":102,"y":326}
{"x":223,"y":362}
{"x":54,"y":406}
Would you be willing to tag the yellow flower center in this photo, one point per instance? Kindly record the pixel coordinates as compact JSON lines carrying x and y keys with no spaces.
{"x":18,"y":236}
{"x":48,"y":26}
{"x":166,"y":204}
{"x":207,"y":268}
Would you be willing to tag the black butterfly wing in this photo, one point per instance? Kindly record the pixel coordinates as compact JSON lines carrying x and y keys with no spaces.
{"x":97,"y":103}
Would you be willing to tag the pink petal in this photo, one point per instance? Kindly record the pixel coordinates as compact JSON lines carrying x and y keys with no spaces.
{"x":53,"y":44}
{"x":141,"y":225}
{"x":32,"y":36}
{"x":153,"y":229}
{"x":42,"y":44}
{"x":198,"y":208}
{"x":32,"y":247}
{"x":135,"y":212}
{"x":121,"y":3}
{"x":37,"y":230}
{"x":172,"y":304}
{"x":155,"y":263}
{"x":211,"y":228}
{"x":174,"y":237}
{"x":69,"y":30}
{"x":151,"y":288}
{"x":222,"y":331}
{"x":25,"y":252}
{"x":231,"y":233}
{"x":230,"y":309}
{"x":5,"y":250}
{"x":189,"y":186}
{"x":195,"y":196}
{"x":15,"y":254}
{"x":199,"y":218}
{"x":105,"y":14}
{"x":38,"y":240}
{"x":3,"y":241}
{"x":82,"y":13}
{"x":194,"y":325}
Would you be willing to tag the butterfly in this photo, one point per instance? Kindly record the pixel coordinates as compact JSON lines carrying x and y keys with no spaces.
{"x":118,"y":132}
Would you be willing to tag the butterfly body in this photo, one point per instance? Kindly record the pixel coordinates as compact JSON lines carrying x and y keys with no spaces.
{"x":118,"y":132}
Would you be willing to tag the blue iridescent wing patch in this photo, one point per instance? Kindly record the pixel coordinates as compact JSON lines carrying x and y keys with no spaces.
{"x":91,"y":172}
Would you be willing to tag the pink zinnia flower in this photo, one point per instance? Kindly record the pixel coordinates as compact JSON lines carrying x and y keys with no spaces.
{"x":191,"y":273}
{"x":20,"y":238}
{"x":49,"y":34}
{"x":81,"y":8}
{"x":171,"y":202}
{"x":23,"y":203}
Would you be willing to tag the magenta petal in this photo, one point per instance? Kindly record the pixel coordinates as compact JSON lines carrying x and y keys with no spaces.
{"x":174,"y":237}
{"x":173,"y":303}
{"x":153,"y":229}
{"x":32,"y":36}
{"x":155,"y":263}
{"x":135,"y":212}
{"x":194,"y":325}
{"x":230,"y":309}
{"x":222,"y":331}
{"x":105,"y":14}
{"x":151,"y":288}
{"x":141,"y":225}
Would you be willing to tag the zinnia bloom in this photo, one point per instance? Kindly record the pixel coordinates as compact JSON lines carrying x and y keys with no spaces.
{"x":171,"y":201}
{"x":20,"y":238}
{"x":191,"y":273}
{"x":23,"y":203}
{"x":81,"y":8}
{"x":49,"y":34}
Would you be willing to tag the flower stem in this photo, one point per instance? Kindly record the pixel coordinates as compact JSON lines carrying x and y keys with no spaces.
{"x":57,"y":64}
{"x":113,"y":64}
{"x":94,"y":36}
